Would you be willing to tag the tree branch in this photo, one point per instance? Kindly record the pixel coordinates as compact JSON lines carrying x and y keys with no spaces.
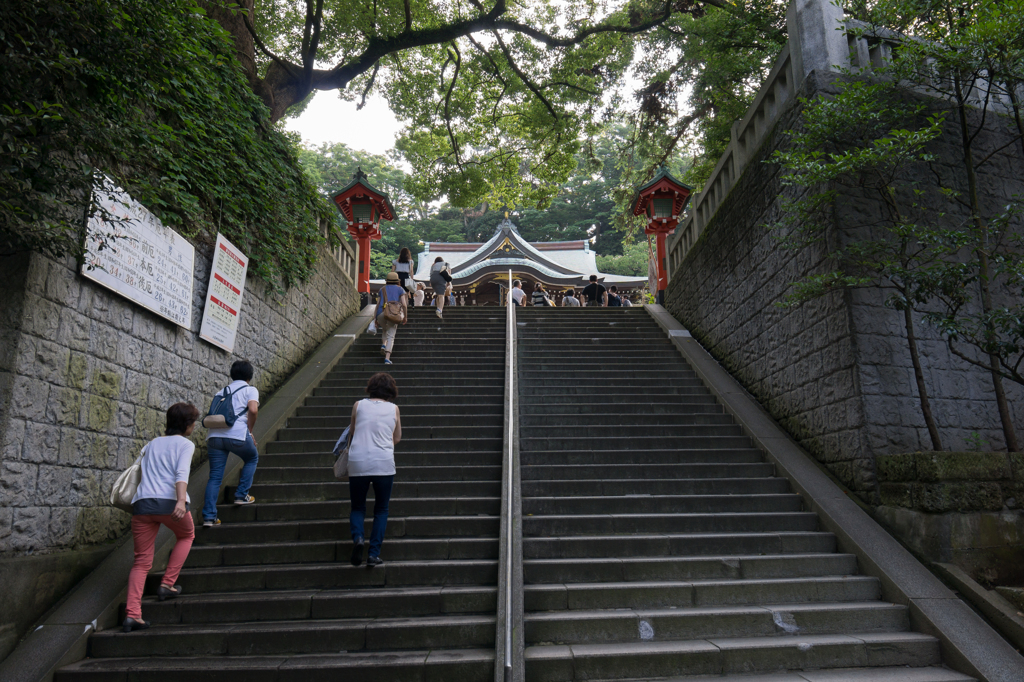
{"x":369,"y":84}
{"x":447,"y":104}
{"x":408,"y":17}
{"x":523,"y":77}
{"x":284,"y":63}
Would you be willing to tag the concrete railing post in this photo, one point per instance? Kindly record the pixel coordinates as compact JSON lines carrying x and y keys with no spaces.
{"x":817,"y":37}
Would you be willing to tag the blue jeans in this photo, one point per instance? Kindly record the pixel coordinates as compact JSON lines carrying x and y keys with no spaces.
{"x":358,"y":486}
{"x":217,"y":450}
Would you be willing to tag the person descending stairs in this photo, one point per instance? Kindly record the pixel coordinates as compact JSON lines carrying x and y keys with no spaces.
{"x":271,"y":593}
{"x":656,"y":540}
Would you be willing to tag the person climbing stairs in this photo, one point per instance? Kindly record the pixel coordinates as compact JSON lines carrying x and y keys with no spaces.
{"x":271,"y":594}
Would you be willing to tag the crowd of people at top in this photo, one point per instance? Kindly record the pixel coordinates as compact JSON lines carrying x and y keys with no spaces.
{"x":592,"y":296}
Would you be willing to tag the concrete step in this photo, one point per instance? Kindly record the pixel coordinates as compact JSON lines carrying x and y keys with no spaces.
{"x":297,"y":605}
{"x":301,"y":637}
{"x":619,"y":400}
{"x":342,"y":403}
{"x":465,"y":665}
{"x":337,"y":575}
{"x":620,"y":472}
{"x":411,"y":433}
{"x":338,"y":490}
{"x":719,"y":437}
{"x":634,"y":569}
{"x":629,"y":523}
{"x":661,"y":504}
{"x":334,"y":509}
{"x":407,"y":445}
{"x":482,"y":410}
{"x":640,"y":659}
{"x":326,"y":459}
{"x":321,"y":551}
{"x":677,"y":544}
{"x":764,"y":485}
{"x":708,"y":413}
{"x":693,"y":426}
{"x":398,"y":526}
{"x":410,"y":418}
{"x":673,"y":405}
{"x":655,"y":594}
{"x":325,"y":473}
{"x":664,"y":456}
{"x":698,"y":622}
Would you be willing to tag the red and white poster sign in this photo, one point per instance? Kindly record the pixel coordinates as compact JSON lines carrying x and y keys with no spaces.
{"x":224,"y":295}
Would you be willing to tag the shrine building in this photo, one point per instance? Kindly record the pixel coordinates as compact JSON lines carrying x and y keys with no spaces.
{"x":480,"y":271}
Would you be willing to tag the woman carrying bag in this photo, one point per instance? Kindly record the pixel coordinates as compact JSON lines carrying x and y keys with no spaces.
{"x":376,"y":428}
{"x":161,"y":499}
{"x":392,"y":310}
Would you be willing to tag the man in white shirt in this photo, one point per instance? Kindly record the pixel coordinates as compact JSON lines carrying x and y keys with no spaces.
{"x":237,"y":438}
{"x":517,"y":292}
{"x":569,"y":300}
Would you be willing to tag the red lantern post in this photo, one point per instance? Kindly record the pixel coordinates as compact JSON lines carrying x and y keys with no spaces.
{"x":662,"y":200}
{"x":363,"y":207}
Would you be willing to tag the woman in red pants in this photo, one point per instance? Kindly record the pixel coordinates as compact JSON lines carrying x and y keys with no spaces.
{"x":162,"y":500}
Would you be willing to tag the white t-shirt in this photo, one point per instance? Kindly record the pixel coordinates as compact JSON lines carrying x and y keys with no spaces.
{"x":418,"y":297}
{"x":239,"y":403}
{"x":402,"y":267}
{"x":518,"y":294}
{"x":165,"y":461}
{"x":372,"y":450}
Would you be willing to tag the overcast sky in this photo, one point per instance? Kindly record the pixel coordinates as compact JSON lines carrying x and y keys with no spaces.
{"x":329,"y":119}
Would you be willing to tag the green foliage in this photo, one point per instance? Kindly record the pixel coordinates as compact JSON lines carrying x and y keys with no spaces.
{"x":152,"y":95}
{"x":632,"y":263}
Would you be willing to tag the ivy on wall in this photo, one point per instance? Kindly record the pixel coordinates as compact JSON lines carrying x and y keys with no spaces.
{"x":153,"y":95}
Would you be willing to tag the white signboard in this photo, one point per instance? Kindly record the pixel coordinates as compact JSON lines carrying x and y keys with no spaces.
{"x":224,"y":295}
{"x":138,"y":257}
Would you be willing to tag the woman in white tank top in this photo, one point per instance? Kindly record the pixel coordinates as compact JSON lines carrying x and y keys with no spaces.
{"x":376,"y":427}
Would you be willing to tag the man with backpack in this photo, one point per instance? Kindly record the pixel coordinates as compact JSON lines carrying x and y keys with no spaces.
{"x":238,"y":403}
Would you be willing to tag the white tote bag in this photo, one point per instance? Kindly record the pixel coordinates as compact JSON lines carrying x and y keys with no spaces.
{"x":126,"y":485}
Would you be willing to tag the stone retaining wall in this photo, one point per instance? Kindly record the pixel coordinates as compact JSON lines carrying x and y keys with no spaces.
{"x":85,"y":379}
{"x":958,"y":507}
{"x":834,"y":372}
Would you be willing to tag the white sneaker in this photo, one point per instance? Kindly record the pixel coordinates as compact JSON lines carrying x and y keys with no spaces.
{"x":248,"y":499}
{"x":438,"y":311}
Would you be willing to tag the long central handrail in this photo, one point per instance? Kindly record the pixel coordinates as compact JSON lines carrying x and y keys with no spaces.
{"x":510,"y":340}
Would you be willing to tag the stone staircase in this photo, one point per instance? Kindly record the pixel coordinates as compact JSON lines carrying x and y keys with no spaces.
{"x":657,"y":542}
{"x":271,"y":595}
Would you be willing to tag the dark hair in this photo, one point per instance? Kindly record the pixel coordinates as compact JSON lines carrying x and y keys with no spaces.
{"x":382,"y":385}
{"x":613,"y":288}
{"x":517,"y":283}
{"x":539,"y":287}
{"x":439,"y":259}
{"x":593,"y":278}
{"x":404,"y":256}
{"x":241,"y":370}
{"x":569,"y":292}
{"x":179,"y":417}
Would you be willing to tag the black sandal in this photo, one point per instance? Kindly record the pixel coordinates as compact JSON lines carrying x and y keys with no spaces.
{"x":132,"y":624}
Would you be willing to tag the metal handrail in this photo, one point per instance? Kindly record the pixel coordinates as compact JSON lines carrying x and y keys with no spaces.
{"x":510,"y":336}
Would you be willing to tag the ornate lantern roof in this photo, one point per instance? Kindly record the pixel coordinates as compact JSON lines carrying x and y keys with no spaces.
{"x":363,"y":204}
{"x":662,"y":199}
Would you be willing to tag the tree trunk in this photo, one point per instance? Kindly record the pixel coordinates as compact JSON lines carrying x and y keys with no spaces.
{"x":922,"y":389}
{"x":279,"y":89}
{"x":984,"y":270}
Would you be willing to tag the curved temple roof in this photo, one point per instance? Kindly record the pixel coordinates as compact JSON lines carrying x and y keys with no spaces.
{"x":561,"y":263}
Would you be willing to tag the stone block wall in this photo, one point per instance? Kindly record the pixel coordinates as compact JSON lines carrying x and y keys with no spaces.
{"x":835,"y":372}
{"x":87,"y":375}
{"x":959,"y":507}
